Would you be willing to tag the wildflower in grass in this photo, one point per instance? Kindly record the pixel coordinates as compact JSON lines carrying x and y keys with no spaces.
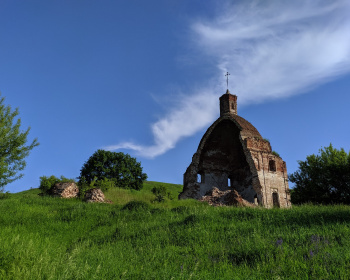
{"x":311,"y":253}
{"x":315,"y":238}
{"x":279,"y":242}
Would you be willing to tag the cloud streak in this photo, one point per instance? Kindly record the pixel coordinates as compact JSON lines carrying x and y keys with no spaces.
{"x":182,"y":122}
{"x":272,"y":49}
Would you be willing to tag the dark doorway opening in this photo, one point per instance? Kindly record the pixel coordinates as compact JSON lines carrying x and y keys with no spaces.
{"x":275,"y":201}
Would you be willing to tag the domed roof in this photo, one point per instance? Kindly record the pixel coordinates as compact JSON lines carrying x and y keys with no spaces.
{"x":228,"y":112}
{"x":247,"y":129}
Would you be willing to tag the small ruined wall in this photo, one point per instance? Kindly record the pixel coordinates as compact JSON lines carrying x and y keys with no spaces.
{"x":274,"y":182}
{"x":191,"y":188}
{"x":271,"y":172}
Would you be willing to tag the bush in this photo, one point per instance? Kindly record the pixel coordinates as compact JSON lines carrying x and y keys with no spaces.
{"x":104,"y":184}
{"x":4,"y":195}
{"x":161,"y":192}
{"x":84,"y":187}
{"x":120,"y":168}
{"x":136,"y":205}
{"x":159,"y":198}
{"x":46,"y":183}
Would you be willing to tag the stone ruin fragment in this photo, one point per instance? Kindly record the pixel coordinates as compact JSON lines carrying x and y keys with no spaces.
{"x":232,"y":156}
{"x":65,"y":190}
{"x":94,"y":195}
{"x":71,"y":190}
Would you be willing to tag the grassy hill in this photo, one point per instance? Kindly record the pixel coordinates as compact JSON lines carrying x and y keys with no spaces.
{"x":52,"y":238}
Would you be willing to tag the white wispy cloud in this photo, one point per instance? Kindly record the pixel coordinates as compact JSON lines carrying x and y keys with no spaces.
{"x":181,"y":122}
{"x":272,"y":49}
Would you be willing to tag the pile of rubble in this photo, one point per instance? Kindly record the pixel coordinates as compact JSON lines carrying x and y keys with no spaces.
{"x":94,"y":195}
{"x":71,"y":190}
{"x":215,"y":197}
{"x":65,"y":190}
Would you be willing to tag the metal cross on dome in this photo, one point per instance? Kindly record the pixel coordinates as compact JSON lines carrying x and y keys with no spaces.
{"x":227,"y":74}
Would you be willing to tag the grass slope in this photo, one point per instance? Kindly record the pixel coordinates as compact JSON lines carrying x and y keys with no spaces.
{"x":52,"y":238}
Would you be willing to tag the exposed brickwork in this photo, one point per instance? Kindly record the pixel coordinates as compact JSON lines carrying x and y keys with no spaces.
{"x":258,"y":144}
{"x":228,"y":104}
{"x":233,"y":156}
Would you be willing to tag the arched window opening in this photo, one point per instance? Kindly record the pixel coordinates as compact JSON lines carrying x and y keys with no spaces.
{"x":272,"y":165}
{"x":200,"y":178}
{"x":229,"y":182}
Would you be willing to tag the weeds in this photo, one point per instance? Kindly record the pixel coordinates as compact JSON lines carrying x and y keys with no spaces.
{"x":276,"y":154}
{"x":50,"y":238}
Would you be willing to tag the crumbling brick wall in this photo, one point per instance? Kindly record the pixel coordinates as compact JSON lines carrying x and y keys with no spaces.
{"x":272,"y":173}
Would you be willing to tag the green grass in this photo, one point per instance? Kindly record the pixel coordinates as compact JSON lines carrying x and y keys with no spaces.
{"x":52,"y":238}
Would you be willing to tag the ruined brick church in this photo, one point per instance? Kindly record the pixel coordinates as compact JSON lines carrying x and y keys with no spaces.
{"x":232,"y":155}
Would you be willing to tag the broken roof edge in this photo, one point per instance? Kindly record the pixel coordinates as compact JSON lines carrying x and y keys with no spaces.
{"x":245,"y":127}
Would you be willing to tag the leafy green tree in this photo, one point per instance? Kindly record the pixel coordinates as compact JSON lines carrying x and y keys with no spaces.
{"x":121,"y":168}
{"x":13,"y":148}
{"x":323,"y":178}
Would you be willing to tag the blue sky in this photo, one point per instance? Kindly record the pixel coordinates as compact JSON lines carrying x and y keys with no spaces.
{"x":144,"y":77}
